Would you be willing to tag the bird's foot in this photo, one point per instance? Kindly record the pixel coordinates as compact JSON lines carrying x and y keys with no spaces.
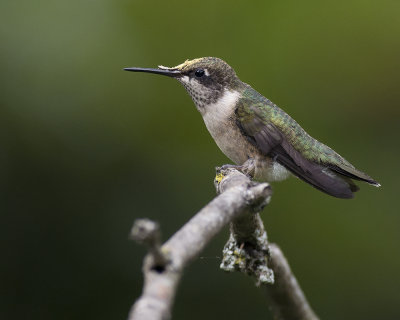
{"x":247,"y":168}
{"x":231,"y":166}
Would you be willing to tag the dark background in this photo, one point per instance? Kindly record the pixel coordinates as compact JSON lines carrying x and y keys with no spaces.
{"x":87,"y":148}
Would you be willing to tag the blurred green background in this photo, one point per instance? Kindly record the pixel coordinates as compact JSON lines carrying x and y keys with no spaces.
{"x":87,"y":148}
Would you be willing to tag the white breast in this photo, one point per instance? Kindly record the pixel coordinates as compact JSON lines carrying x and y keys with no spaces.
{"x":219,"y":112}
{"x":219,"y":120}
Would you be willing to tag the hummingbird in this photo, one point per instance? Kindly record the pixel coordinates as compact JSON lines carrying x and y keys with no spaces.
{"x":261,"y":139}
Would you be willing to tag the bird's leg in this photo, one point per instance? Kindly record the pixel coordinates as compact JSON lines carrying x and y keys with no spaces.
{"x":248,"y":168}
{"x":231,"y":166}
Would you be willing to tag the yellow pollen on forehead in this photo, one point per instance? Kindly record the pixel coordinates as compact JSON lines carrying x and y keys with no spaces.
{"x":186,"y":65}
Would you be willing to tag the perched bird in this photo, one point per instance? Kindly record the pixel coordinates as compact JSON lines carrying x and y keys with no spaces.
{"x":259,"y":137}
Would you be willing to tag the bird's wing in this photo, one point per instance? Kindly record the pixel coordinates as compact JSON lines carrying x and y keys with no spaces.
{"x":257,"y":122}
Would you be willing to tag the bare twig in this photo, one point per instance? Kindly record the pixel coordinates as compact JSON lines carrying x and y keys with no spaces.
{"x":287,"y":300}
{"x":247,"y":250}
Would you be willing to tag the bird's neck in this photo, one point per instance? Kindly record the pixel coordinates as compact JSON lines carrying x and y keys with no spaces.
{"x":223,"y":107}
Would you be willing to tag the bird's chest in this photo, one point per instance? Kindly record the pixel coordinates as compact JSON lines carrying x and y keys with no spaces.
{"x":220,"y":122}
{"x":222,"y":127}
{"x":237,"y":148}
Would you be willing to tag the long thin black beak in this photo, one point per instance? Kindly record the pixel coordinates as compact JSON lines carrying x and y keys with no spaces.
{"x":165,"y":72}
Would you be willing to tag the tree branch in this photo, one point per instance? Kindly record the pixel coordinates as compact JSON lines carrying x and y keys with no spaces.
{"x":286,"y":299}
{"x":247,"y":250}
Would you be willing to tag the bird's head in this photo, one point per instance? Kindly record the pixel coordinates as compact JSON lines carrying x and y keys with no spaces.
{"x":205,"y":79}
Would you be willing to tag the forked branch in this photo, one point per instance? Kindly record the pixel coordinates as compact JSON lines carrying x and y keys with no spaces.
{"x":247,"y":250}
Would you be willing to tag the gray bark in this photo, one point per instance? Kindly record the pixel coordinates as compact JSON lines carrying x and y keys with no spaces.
{"x":247,"y":250}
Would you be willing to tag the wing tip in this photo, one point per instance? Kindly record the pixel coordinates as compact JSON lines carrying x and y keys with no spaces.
{"x":374,"y":183}
{"x":370,"y":181}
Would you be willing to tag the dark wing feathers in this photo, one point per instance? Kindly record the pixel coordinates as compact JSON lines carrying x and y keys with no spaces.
{"x":270,"y":140}
{"x":310,"y":172}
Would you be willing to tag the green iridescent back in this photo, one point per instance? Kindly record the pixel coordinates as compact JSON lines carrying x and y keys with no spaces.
{"x":254,"y":105}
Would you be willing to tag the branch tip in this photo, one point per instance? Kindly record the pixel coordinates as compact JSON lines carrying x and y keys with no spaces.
{"x":145,"y":231}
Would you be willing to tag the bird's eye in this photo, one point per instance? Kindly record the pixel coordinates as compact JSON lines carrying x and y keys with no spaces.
{"x":199,"y":73}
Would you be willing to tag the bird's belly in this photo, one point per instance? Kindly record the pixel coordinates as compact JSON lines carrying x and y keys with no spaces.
{"x":237,"y":148}
{"x":231,"y":142}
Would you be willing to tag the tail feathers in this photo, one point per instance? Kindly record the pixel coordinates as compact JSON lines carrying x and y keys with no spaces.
{"x":333,"y":180}
{"x":320,"y":177}
{"x":330,"y":183}
{"x":326,"y":181}
{"x":353,"y":186}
